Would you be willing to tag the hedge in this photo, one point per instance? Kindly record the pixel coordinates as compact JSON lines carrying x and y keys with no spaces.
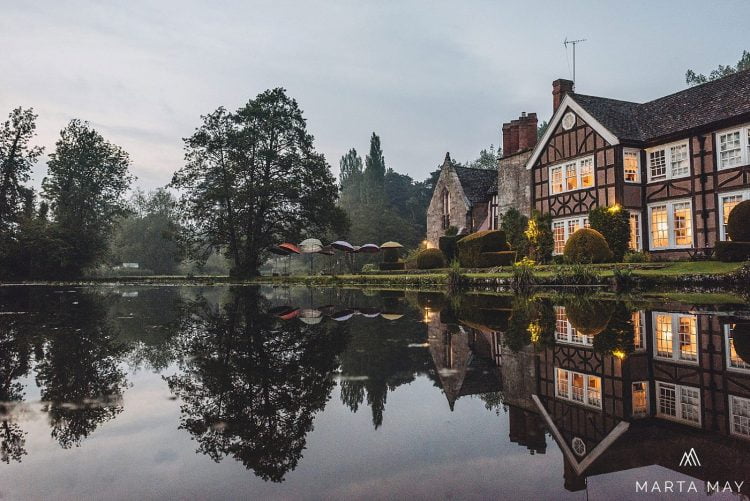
{"x":732,"y":252}
{"x":449,"y":245}
{"x":587,"y":246}
{"x":386,"y":266}
{"x":472,"y":246}
{"x":502,"y":258}
{"x":428,"y":259}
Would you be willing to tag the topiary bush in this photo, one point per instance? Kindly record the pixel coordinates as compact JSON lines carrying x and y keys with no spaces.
{"x":587,"y":246}
{"x":472,"y":246}
{"x":390,"y":255}
{"x":732,"y":252}
{"x":502,"y":258}
{"x":429,"y":259}
{"x":738,"y":224}
{"x":449,"y":245}
{"x":614,"y":225}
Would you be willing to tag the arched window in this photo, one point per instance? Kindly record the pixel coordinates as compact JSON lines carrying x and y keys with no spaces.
{"x":446,"y":209}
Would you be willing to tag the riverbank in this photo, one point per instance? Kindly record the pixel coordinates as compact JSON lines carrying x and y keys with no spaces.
{"x":684,"y":275}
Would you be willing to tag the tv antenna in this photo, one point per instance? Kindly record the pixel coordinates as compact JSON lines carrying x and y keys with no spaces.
{"x":573,"y":43}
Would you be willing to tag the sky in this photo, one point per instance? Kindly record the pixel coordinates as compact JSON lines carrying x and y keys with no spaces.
{"x":426,"y":76}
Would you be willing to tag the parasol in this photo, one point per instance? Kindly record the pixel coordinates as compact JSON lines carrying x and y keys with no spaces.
{"x":369,"y":249}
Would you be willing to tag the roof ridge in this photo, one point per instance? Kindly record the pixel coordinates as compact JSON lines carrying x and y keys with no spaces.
{"x":575,"y":94}
{"x":723,"y":79}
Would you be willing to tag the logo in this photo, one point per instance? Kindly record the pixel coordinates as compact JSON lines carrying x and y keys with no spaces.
{"x":690,"y":458}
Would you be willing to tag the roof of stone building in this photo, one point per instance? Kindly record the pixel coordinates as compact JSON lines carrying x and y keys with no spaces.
{"x":693,"y":107}
{"x":477,"y":183}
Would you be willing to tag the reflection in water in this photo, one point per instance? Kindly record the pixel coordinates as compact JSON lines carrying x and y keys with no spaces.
{"x":617,"y":385}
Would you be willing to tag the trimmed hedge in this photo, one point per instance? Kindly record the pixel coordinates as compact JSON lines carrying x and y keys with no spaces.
{"x":449,"y":245}
{"x":472,"y":246}
{"x":390,"y":255}
{"x":502,"y":258}
{"x":732,"y":252}
{"x":587,"y":246}
{"x":386,"y":266}
{"x":428,"y":259}
{"x":738,"y":223}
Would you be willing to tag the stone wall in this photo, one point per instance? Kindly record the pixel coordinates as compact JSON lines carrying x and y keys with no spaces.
{"x":459,"y":205}
{"x":513,"y":183}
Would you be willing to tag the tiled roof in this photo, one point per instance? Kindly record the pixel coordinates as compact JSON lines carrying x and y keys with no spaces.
{"x":693,"y":107}
{"x":477,"y":183}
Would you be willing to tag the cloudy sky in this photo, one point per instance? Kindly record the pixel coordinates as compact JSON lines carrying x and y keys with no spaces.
{"x":428,"y":77}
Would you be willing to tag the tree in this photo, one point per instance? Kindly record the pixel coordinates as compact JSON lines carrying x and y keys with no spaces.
{"x":17,"y":156}
{"x":541,"y":242}
{"x":252,"y":179}
{"x":693,"y":78}
{"x":487,"y":159}
{"x":374,"y":174}
{"x":350,"y":167}
{"x":541,"y":129}
{"x":148,"y":235}
{"x":85,"y":185}
{"x":514,"y":224}
{"x":614,"y":225}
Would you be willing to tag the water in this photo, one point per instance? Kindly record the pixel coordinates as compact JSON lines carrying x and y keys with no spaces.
{"x":195,"y":393}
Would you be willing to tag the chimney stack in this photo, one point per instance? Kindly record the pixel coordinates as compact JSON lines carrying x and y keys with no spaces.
{"x":520,"y":134}
{"x":560,"y":87}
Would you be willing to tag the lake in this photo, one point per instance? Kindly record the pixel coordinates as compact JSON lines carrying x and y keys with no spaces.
{"x":297,"y":393}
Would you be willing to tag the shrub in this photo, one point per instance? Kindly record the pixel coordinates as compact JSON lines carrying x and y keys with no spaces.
{"x":385,"y":266}
{"x":502,"y":258}
{"x":587,"y":246}
{"x":732,"y":252}
{"x":449,"y":245}
{"x":451,"y":231}
{"x":614,"y":225}
{"x":390,"y":255}
{"x":522,"y":281}
{"x":369,"y":268}
{"x":538,"y":235}
{"x":623,"y":279}
{"x":455,"y":278}
{"x":429,"y":259}
{"x":514,"y":224}
{"x":575,"y":274}
{"x":587,"y":316}
{"x":637,"y":257}
{"x":738,"y":224}
{"x":472,"y":246}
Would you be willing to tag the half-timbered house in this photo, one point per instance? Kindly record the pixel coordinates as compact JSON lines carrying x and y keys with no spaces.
{"x":678,"y":163}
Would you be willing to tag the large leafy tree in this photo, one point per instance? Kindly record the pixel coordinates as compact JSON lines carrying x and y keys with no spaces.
{"x":17,"y":156}
{"x":693,"y":78}
{"x":86,"y":183}
{"x":253,"y":178}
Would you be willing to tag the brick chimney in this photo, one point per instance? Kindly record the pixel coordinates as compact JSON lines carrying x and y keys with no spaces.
{"x":520,"y":134}
{"x":560,"y":87}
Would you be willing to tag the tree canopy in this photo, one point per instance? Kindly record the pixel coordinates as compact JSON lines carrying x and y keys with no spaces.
{"x":693,"y":78}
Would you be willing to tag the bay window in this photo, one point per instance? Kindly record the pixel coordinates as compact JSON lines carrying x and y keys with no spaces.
{"x":631,"y":164}
{"x":562,"y":229}
{"x":675,"y":337}
{"x":727,"y":201}
{"x":668,"y":162}
{"x":678,"y":403}
{"x":671,"y":224}
{"x":733,"y":147}
{"x":577,"y":387}
{"x":573,"y":175}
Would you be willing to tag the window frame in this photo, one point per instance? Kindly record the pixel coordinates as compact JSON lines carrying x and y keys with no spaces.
{"x":732,"y":404}
{"x":728,"y":352}
{"x":669,"y":204}
{"x":586,"y":402}
{"x":744,"y":131}
{"x":636,"y":214}
{"x":583,"y":222}
{"x":494,"y":214}
{"x":571,"y":334}
{"x":675,"y":328}
{"x":637,"y":153}
{"x":667,"y":149}
{"x":647,"y":407}
{"x":745,"y":194}
{"x":679,"y":416}
{"x":577,"y":164}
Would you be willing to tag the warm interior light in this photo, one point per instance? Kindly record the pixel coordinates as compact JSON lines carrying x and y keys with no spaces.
{"x":619,"y":354}
{"x":427,"y":244}
{"x":614,"y":209}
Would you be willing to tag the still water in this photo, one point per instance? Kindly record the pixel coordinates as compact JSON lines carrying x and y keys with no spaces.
{"x":267,"y":393}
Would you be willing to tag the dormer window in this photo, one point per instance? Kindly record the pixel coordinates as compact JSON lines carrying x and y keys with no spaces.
{"x":668,"y":162}
{"x":574,"y":175}
{"x":733,"y":147}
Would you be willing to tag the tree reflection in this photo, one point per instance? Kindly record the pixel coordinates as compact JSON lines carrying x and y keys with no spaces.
{"x":78,"y":370}
{"x":250,"y":383}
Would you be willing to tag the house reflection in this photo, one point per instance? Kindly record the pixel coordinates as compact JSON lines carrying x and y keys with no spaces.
{"x":617,"y":387}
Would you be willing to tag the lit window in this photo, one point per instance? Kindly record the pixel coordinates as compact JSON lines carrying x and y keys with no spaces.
{"x":635,"y":231}
{"x":587,"y":173}
{"x":566,"y":333}
{"x":637,"y":330}
{"x":739,"y":410}
{"x":631,"y":166}
{"x":669,"y":162}
{"x":577,"y":387}
{"x":558,"y":233}
{"x":684,"y":346}
{"x":574,"y":175}
{"x":671,"y":224}
{"x":734,"y":361}
{"x":640,"y":398}
{"x":571,"y":177}
{"x":730,"y":150}
{"x":727,"y":202}
{"x":680,"y":403}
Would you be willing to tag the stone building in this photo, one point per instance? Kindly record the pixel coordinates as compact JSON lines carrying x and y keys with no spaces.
{"x":513,"y":180}
{"x":461,"y":199}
